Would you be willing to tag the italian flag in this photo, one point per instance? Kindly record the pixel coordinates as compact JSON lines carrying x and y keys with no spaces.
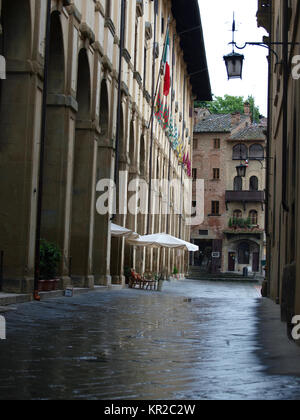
{"x":167,"y":80}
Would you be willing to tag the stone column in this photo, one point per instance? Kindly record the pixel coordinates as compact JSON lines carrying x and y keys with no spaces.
{"x":58,"y":175}
{"x":83,"y":190}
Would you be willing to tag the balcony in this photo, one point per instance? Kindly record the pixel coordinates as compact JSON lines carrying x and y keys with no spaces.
{"x":245,"y":197}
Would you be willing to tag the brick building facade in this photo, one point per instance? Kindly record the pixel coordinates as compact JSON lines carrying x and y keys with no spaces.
{"x":232,"y":234}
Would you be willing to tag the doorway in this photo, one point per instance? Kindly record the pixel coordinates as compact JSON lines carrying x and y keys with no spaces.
{"x":255,"y":262}
{"x":231,"y":261}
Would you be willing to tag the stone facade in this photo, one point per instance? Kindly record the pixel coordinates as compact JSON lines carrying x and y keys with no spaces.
{"x":81,"y":133}
{"x":282,"y":21}
{"x":221,"y":142}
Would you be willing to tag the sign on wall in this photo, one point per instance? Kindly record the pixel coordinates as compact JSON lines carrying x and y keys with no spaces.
{"x":216,"y":255}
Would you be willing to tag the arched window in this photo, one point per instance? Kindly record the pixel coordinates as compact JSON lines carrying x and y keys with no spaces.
{"x":240,"y":152}
{"x":237,"y":214}
{"x":253,"y":216}
{"x":238,"y":183}
{"x":108,"y":9}
{"x":253,"y":183}
{"x":142,"y":156}
{"x":256,"y":152}
{"x":157,"y":169}
{"x":244,"y":253}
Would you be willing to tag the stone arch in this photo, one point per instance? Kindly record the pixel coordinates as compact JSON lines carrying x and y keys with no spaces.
{"x":56,"y":82}
{"x":117,"y":244}
{"x":143,"y":156}
{"x":16,"y":23}
{"x":104,"y":111}
{"x":123,"y":145}
{"x":101,"y":245}
{"x":83,"y":86}
{"x":56,"y":141}
{"x":18,"y":96}
{"x":129,"y":259}
{"x":132,"y":144}
{"x":83,"y":177}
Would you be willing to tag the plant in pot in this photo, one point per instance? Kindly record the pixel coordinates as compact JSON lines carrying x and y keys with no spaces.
{"x":127,"y":274}
{"x":176,"y":273}
{"x":50,"y":258}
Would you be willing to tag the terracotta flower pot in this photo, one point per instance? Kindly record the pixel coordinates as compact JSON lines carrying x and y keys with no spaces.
{"x":48,"y":285}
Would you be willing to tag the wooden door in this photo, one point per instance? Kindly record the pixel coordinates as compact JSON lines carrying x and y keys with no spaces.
{"x":217,"y":256}
{"x":231,"y":261}
{"x":255,"y":263}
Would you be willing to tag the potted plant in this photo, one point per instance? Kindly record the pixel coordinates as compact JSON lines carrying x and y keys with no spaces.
{"x":176,"y":273}
{"x":50,"y":258}
{"x":127,"y":274}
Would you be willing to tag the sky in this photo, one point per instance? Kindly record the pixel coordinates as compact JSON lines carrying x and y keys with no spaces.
{"x":217,"y":16}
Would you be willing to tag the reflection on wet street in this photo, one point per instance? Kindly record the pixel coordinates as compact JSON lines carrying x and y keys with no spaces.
{"x":196,"y":340}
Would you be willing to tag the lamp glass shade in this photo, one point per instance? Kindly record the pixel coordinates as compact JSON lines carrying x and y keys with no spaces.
{"x":234,"y":65}
{"x":241,"y":170}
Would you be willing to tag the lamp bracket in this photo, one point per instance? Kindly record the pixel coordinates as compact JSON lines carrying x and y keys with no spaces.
{"x":267,"y":45}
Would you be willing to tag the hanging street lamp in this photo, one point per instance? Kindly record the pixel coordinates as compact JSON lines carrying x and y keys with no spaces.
{"x":234,"y":61}
{"x":234,"y":65}
{"x":241,"y":170}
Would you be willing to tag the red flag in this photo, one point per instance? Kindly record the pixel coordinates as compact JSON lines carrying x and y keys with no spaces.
{"x":167,"y":80}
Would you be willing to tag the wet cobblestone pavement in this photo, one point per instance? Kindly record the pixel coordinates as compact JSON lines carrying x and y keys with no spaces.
{"x":196,"y":340}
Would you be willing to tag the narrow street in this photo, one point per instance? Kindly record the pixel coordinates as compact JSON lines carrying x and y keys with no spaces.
{"x":195,"y":340}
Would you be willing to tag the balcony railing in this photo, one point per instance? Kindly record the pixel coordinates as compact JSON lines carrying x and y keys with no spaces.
{"x":245,"y":196}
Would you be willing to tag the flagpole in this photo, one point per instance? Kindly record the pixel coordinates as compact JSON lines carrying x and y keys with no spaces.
{"x":170,"y":148}
{"x":158,"y":79}
{"x":154,"y":94}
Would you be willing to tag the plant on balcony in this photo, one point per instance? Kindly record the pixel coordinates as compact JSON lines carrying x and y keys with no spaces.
{"x":239,"y":223}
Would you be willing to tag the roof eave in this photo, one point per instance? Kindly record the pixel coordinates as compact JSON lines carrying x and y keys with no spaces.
{"x":189,"y":17}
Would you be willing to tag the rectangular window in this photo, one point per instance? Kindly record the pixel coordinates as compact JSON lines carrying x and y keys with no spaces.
{"x":135,"y":47}
{"x":217,"y":143}
{"x":195,"y":144}
{"x":194,"y":207}
{"x":216,"y":173}
{"x":215,"y":208}
{"x":145,"y":66}
{"x":194,"y":174}
{"x":203,"y":232}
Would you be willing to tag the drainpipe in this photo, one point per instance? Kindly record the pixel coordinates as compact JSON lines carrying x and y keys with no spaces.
{"x":119,"y":105}
{"x":41,"y":157}
{"x":268,"y":166}
{"x":284,"y":206}
{"x":285,"y":104}
{"x":183,"y":135}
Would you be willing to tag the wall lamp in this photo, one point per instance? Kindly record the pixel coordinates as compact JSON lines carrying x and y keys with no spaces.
{"x":234,"y":61}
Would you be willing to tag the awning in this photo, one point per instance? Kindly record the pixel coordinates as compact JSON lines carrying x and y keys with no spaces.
{"x":191,"y":247}
{"x":2,"y":67}
{"x":163,"y":240}
{"x":121,"y":232}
